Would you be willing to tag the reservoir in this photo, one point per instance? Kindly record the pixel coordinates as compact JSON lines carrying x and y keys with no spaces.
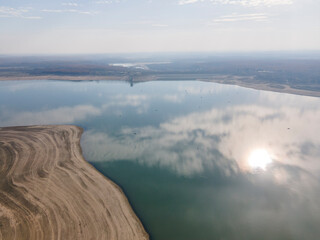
{"x":197,"y":160}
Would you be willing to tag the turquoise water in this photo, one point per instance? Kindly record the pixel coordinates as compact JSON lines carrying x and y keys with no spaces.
{"x":197,"y":160}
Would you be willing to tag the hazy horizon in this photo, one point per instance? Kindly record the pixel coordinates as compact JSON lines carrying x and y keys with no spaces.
{"x":142,"y":26}
{"x":134,"y":56}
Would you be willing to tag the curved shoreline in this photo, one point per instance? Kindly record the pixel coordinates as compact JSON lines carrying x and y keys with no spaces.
{"x":49,"y":191}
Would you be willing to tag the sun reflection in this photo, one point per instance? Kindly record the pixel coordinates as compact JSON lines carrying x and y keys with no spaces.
{"x":259,"y":159}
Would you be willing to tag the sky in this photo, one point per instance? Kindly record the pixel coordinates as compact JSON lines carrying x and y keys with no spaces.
{"x":123,"y":26}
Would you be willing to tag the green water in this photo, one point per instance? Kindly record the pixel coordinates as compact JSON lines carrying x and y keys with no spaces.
{"x":181,"y":152}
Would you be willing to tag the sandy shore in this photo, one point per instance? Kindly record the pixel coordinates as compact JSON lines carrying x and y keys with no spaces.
{"x":267,"y":87}
{"x":48,"y":191}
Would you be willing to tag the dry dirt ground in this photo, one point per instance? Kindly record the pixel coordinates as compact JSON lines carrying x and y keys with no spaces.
{"x":48,"y":191}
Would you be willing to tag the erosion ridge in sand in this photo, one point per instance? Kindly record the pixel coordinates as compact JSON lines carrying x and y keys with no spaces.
{"x":48,"y":191}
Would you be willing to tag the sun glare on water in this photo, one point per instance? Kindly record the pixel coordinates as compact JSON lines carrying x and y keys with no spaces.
{"x":259,"y":159}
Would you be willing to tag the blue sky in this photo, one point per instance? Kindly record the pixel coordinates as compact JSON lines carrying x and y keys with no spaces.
{"x":103,"y":26}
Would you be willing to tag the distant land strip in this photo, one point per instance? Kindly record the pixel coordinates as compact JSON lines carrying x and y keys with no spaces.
{"x":280,"y":88}
{"x":48,"y":190}
{"x":242,"y":81}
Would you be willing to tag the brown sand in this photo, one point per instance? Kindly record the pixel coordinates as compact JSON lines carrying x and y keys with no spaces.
{"x":48,"y":191}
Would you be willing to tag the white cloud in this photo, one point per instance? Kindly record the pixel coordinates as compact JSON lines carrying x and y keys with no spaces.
{"x":69,"y":11}
{"x":107,"y":1}
{"x":16,"y":12}
{"x":104,"y":2}
{"x":70,"y":4}
{"x":159,"y":25}
{"x":241,"y":17}
{"x":12,"y":12}
{"x":253,"y":3}
{"x":184,"y":2}
{"x":257,"y":2}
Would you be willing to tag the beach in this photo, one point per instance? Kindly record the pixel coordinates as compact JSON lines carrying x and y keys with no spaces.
{"x":49,"y":191}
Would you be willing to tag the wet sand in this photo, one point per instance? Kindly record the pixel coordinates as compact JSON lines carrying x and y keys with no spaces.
{"x":48,"y":191}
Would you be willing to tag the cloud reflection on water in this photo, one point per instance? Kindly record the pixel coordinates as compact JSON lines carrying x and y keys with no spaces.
{"x":211,"y":189}
{"x":60,"y":115}
{"x":71,"y":114}
{"x":282,"y":202}
{"x":218,"y":138}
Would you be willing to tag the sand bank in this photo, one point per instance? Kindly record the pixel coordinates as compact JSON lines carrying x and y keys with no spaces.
{"x":48,"y":191}
{"x":281,"y":88}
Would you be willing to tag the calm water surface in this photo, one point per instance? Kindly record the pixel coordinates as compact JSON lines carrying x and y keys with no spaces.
{"x":197,"y":160}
